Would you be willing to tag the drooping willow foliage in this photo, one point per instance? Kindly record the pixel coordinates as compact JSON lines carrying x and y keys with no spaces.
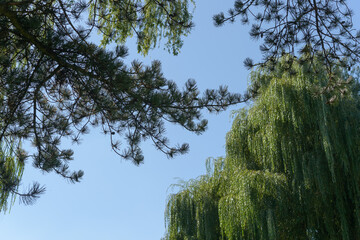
{"x":292,"y":164}
{"x":11,"y":170}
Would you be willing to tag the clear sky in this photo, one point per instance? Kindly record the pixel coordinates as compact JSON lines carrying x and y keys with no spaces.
{"x":116,"y":199}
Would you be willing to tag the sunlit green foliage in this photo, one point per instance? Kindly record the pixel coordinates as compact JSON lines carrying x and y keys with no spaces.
{"x":291,"y":169}
{"x":149,"y":20}
{"x":11,"y":170}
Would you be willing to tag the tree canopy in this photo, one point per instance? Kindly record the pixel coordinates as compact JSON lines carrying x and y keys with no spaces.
{"x":291,"y":169}
{"x":296,"y":27}
{"x":56,"y":83}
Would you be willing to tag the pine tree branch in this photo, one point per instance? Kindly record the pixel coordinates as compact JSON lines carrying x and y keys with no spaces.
{"x":43,"y":48}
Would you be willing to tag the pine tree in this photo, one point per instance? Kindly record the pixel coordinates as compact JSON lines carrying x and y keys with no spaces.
{"x":314,"y":27}
{"x":56,"y":83}
{"x":291,"y":169}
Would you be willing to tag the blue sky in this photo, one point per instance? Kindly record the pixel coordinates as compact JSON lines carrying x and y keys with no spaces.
{"x":116,"y":199}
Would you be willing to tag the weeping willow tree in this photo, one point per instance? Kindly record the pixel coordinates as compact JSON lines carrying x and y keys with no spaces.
{"x":292,"y":164}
